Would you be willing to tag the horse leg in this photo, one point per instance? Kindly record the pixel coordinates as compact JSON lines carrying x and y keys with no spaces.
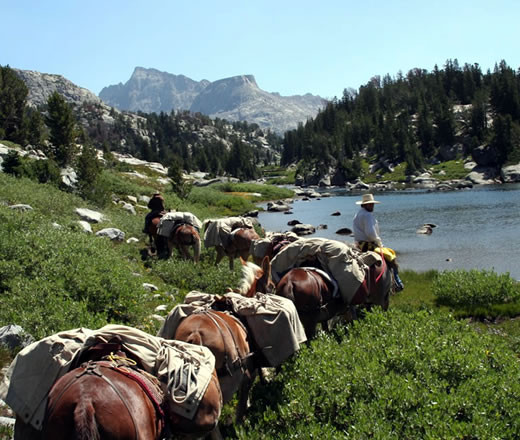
{"x":24,"y":431}
{"x":196,"y":251}
{"x":243,"y":394}
{"x":309,"y":322}
{"x":216,"y":434}
{"x":220,"y":255}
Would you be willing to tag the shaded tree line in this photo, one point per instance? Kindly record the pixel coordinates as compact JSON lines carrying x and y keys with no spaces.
{"x":413,"y":118}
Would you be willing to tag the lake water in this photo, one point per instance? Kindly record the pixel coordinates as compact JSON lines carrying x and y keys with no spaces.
{"x":477,"y":228}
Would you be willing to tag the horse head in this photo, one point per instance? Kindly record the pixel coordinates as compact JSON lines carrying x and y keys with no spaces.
{"x":255,"y":278}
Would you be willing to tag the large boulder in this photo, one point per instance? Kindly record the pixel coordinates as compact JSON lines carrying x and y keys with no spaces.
{"x":450,"y":152}
{"x":113,"y":233}
{"x":483,"y":175}
{"x":510,"y":173}
{"x":277,"y":206}
{"x":303,"y":229}
{"x":14,"y":337}
{"x":484,"y":156}
{"x":89,"y":215}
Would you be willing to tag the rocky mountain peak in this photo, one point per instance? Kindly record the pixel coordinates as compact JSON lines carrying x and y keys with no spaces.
{"x":238,"y":98}
{"x":42,"y":85}
{"x":150,"y":90}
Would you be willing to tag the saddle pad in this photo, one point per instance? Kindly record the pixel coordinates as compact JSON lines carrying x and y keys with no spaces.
{"x":184,"y":370}
{"x":272,"y":321}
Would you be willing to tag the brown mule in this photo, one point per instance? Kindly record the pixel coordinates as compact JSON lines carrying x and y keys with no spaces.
{"x":239,"y":245}
{"x":227,"y":338}
{"x":184,"y":237}
{"x":100,"y":401}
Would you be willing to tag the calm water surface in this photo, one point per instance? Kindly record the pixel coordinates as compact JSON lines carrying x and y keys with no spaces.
{"x":476,"y":229}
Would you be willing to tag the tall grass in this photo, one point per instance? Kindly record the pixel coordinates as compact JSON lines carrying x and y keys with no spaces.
{"x":393,"y":375}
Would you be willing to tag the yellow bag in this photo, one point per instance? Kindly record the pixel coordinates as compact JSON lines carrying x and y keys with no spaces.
{"x":388,"y":253}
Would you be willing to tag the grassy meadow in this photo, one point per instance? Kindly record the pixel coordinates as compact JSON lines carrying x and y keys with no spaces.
{"x":442,"y":363}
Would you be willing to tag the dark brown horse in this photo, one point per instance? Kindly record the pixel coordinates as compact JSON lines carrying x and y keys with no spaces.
{"x":312,"y":293}
{"x":239,"y":245}
{"x":227,"y":338}
{"x":103,"y":400}
{"x":183,"y":238}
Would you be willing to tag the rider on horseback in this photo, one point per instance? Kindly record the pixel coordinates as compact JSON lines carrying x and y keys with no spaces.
{"x":366,"y":232}
{"x":156,"y":205}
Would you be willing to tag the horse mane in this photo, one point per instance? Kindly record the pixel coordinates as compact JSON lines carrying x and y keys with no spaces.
{"x":250,"y":272}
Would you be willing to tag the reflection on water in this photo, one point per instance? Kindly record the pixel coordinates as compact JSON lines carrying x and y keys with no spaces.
{"x":477,"y":228}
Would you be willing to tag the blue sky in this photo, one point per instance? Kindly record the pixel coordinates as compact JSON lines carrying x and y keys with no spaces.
{"x":291,"y":47}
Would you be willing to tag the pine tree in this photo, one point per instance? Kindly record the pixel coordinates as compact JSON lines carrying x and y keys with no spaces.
{"x":62,"y":127}
{"x":88,"y":169}
{"x":13,"y":98}
{"x":35,"y":128}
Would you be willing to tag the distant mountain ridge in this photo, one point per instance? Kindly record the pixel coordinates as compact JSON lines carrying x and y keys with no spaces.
{"x":236,"y":98}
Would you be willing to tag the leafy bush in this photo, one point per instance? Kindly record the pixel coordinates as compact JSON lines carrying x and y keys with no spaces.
{"x":462,"y":288}
{"x":393,"y":375}
{"x":52,"y":279}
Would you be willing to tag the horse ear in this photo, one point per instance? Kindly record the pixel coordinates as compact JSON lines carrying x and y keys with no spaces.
{"x":243,"y":262}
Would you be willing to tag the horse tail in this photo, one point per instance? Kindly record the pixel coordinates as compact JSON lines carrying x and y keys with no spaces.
{"x":85,"y":421}
{"x":196,"y":249}
{"x":288,"y":291}
{"x":194,"y":338}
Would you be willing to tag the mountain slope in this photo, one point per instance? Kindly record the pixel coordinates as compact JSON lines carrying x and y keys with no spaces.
{"x":42,"y":85}
{"x":236,"y":99}
{"x":150,"y":90}
{"x":240,"y":99}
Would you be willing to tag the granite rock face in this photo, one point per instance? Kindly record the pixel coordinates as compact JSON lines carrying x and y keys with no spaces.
{"x":42,"y":85}
{"x":236,"y":99}
{"x":150,"y":90}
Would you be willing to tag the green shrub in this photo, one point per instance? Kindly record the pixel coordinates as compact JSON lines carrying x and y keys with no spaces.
{"x":462,"y":288}
{"x":52,"y":279}
{"x":393,"y":375}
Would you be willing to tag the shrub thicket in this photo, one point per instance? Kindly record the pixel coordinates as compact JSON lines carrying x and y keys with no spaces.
{"x":54,"y":278}
{"x":463,"y":288}
{"x":394,"y":375}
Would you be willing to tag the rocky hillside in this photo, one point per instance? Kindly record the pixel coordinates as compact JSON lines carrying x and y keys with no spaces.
{"x":42,"y":85}
{"x":236,"y":99}
{"x":129,"y":133}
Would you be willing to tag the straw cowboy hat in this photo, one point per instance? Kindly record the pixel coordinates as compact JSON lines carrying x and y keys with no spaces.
{"x":366,"y":200}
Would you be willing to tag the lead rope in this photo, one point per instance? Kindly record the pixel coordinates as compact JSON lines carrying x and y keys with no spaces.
{"x":383,"y":265}
{"x":178,"y":383}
